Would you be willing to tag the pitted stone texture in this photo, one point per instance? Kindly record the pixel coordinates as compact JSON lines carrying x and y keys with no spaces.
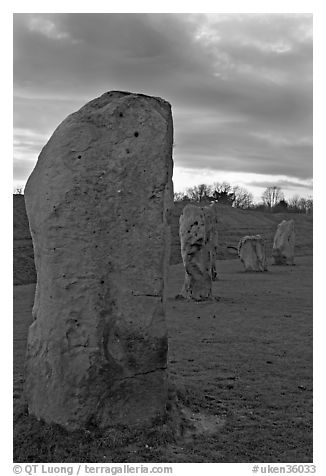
{"x":211,"y":223}
{"x":196,"y":236}
{"x":252,"y":253}
{"x":284,"y":240}
{"x":98,"y":201}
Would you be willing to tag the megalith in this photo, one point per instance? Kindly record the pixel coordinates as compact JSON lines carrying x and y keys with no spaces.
{"x":252,"y":253}
{"x":211,"y":222}
{"x":283,"y":245}
{"x":98,"y":204}
{"x":196,"y":232}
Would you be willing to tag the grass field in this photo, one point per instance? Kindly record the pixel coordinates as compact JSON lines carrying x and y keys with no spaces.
{"x":240,"y":370}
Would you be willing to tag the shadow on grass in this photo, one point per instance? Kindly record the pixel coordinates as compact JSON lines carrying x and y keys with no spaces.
{"x":36,"y":441}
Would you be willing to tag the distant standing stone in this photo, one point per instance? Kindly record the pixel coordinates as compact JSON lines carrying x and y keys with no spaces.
{"x":252,"y":253}
{"x":196,"y":252}
{"x":98,"y":202}
{"x":284,"y":240}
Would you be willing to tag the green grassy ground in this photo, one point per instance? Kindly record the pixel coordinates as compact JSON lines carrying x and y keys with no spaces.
{"x":240,"y":368}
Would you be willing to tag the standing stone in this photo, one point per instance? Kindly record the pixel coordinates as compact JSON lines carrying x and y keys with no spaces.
{"x":284,"y":240}
{"x":195,"y":252}
{"x":212,"y":237}
{"x":252,"y":253}
{"x":98,"y":201}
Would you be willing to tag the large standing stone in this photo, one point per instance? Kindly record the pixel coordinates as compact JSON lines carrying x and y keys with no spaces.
{"x":283,"y":246}
{"x":252,"y":253}
{"x":211,"y":222}
{"x":195,"y":234}
{"x":97,"y":202}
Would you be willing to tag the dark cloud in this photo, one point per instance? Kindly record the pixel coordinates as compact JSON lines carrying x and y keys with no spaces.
{"x":240,"y":85}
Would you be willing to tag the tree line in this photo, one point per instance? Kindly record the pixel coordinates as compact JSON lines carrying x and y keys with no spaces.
{"x":272,"y":198}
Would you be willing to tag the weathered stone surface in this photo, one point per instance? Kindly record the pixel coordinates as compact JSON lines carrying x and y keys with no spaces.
{"x":98,"y":201}
{"x":212,"y":237}
{"x":284,"y":240}
{"x":198,"y":237}
{"x":252,"y":253}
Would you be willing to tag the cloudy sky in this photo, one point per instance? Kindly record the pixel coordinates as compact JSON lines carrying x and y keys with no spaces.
{"x":240,"y":86}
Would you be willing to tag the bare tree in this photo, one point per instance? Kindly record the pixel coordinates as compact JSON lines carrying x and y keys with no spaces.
{"x":294,"y":202}
{"x":301,"y":205}
{"x":306,"y":205}
{"x":243,"y":198}
{"x":223,"y":193}
{"x":178,"y":196}
{"x":272,"y":196}
{"x":198,"y":193}
{"x":222,"y":187}
{"x":309,"y":204}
